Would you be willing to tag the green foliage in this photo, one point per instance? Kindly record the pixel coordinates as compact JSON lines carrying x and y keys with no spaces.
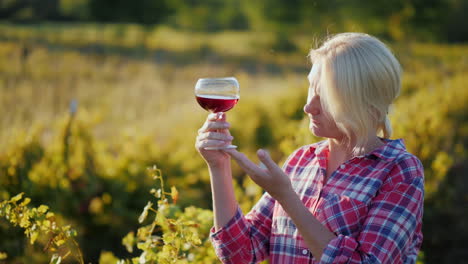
{"x":210,"y":15}
{"x":39,"y":222}
{"x":174,"y":235}
{"x":440,"y":20}
{"x":142,"y":11}
{"x":70,"y":176}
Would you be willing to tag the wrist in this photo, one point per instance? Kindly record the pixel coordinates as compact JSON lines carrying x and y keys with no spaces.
{"x":285,"y":196}
{"x":219,"y":165}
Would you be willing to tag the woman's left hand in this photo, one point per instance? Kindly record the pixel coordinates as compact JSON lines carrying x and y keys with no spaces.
{"x":272,"y":178}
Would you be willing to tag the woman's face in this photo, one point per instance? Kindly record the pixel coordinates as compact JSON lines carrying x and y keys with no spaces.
{"x":321,"y":123}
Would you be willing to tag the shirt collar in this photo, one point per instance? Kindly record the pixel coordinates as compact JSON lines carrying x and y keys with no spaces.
{"x":392,"y":149}
{"x":318,"y":147}
{"x":389,"y":151}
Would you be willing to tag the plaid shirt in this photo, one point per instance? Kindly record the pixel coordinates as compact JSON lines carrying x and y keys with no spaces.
{"x":372,"y":203}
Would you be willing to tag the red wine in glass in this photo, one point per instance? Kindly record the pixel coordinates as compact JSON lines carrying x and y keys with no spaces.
{"x":216,"y":103}
{"x":217,"y":95}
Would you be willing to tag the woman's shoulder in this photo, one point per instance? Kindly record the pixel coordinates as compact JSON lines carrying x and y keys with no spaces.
{"x":395,"y":151}
{"x":406,"y":166}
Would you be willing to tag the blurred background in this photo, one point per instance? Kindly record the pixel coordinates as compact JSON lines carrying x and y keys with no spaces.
{"x":92,"y":92}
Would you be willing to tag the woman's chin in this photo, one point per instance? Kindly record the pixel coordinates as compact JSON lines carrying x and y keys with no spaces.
{"x":315,"y":130}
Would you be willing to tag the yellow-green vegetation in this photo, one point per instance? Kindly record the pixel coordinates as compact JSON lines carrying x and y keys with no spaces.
{"x":40,"y":223}
{"x":136,"y":108}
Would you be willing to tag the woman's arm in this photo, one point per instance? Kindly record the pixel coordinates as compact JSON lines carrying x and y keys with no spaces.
{"x":236,"y":238}
{"x":393,"y":220}
{"x":315,"y":235}
{"x":278,"y":185}
{"x":215,"y":133}
{"x":245,"y":239}
{"x":222,"y":190}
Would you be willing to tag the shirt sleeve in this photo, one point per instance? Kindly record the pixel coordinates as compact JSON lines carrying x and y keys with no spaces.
{"x":245,"y":239}
{"x":391,"y":232}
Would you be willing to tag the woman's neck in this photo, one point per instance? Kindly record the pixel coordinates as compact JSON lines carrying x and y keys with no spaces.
{"x":340,"y":148}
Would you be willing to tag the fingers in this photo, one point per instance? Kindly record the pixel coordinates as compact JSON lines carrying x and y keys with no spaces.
{"x":217,"y":116}
{"x":213,"y":126}
{"x":214,"y":132}
{"x":215,"y":121}
{"x":248,"y":166}
{"x":201,"y":145}
{"x":220,"y":116}
{"x":268,"y":162}
{"x":252,"y":168}
{"x":215,"y":136}
{"x":212,"y":139}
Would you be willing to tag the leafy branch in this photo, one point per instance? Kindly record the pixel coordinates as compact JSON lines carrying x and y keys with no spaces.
{"x":173,"y":234}
{"x":40,"y":222}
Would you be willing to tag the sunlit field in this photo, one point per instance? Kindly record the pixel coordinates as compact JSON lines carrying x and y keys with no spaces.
{"x":86,"y":109}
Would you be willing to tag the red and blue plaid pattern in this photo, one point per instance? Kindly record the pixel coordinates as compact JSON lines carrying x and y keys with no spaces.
{"x":373,"y":203}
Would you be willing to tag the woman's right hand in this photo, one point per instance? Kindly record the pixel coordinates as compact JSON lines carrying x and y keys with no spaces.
{"x":214,"y":133}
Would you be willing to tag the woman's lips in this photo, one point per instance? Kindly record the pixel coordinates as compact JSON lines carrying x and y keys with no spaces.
{"x":314,"y":121}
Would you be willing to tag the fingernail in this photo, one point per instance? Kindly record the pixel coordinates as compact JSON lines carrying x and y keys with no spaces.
{"x":261,"y":152}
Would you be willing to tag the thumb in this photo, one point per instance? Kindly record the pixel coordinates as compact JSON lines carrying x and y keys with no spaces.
{"x":267,"y":161}
{"x":221,"y":116}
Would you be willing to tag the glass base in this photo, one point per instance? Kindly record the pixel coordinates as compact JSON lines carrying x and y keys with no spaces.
{"x":224,"y":147}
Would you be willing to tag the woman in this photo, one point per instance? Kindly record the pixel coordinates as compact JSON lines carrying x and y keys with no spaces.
{"x":355,"y":197}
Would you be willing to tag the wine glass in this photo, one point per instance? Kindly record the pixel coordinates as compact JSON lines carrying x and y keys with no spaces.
{"x":217,"y":95}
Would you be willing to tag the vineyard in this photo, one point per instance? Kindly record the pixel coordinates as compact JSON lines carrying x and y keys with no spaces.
{"x":98,"y":128}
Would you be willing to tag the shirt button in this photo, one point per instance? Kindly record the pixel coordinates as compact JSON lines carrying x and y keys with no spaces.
{"x":305,"y":251}
{"x":342,"y":166}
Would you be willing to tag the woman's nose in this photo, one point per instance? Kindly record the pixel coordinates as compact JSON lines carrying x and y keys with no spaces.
{"x":312,"y":107}
{"x":306,"y":108}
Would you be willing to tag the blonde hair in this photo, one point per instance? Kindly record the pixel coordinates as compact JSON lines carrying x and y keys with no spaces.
{"x":360,"y":78}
